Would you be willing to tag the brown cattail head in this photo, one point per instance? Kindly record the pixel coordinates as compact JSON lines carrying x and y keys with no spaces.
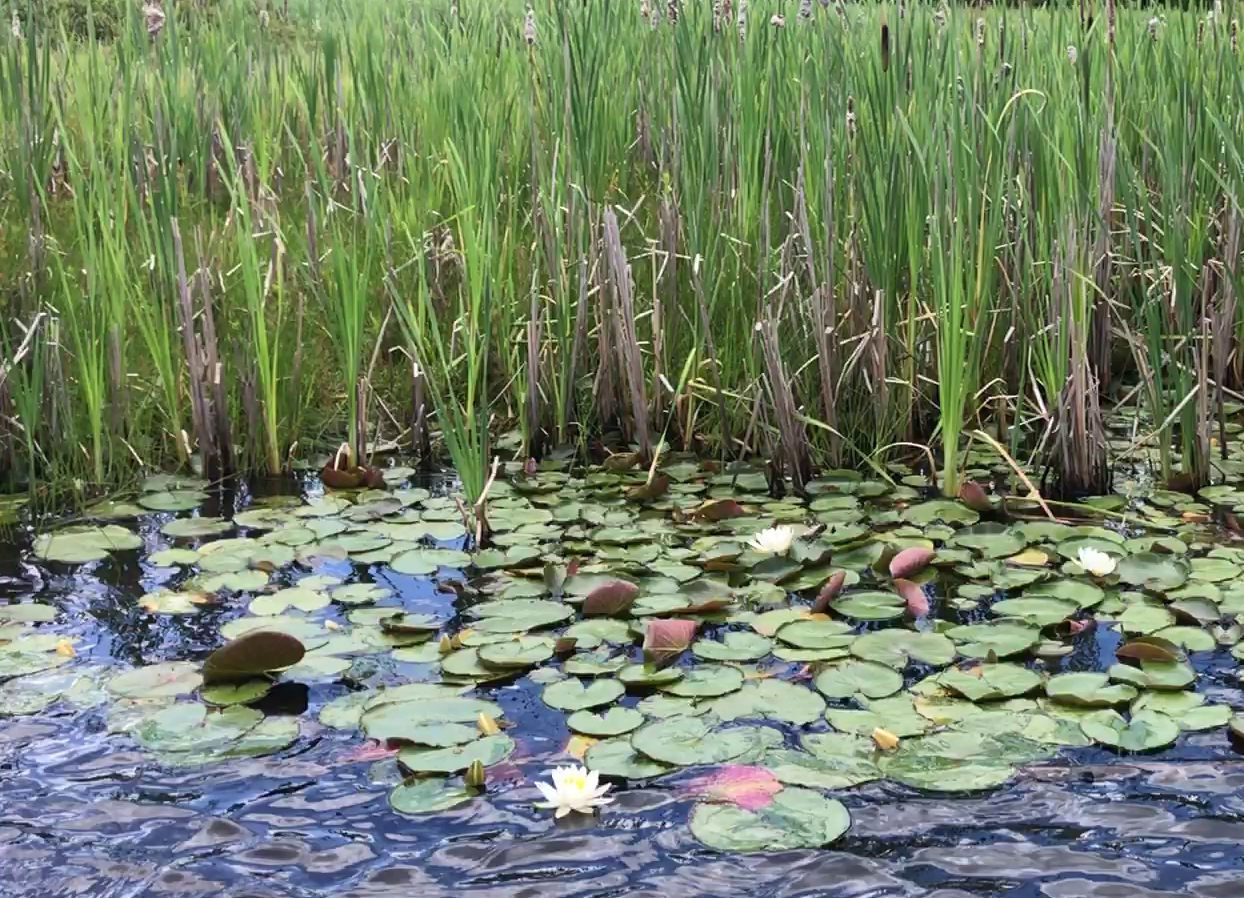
{"x":850,"y":117}
{"x":1235,"y":35}
{"x":980,"y":32}
{"x":1200,"y":32}
{"x":671,"y":11}
{"x":885,"y":43}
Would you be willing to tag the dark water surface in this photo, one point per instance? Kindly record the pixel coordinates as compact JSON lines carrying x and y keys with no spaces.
{"x":84,"y":813}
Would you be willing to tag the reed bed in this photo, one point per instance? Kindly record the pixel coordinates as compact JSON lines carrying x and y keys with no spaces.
{"x":814,"y":232}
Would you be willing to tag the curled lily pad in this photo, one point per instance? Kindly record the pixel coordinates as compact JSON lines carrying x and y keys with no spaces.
{"x":573,"y":695}
{"x":254,"y":653}
{"x":666,"y":639}
{"x":867,"y":678}
{"x":1146,"y":731}
{"x":488,"y":751}
{"x":796,"y":818}
{"x":613,"y":722}
{"x":610,"y":599}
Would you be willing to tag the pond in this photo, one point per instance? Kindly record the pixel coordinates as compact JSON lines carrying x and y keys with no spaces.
{"x":968,"y":712}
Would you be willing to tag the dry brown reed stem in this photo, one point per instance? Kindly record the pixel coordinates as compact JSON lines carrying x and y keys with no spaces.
{"x":625,"y":342}
{"x":792,"y":437}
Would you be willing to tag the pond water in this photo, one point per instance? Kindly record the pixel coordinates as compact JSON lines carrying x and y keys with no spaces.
{"x":101,"y":795}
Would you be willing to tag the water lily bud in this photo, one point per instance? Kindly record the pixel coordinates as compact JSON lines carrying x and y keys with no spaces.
{"x":446,"y":645}
{"x":475,"y":776}
{"x":886,"y":741}
{"x":487,"y":724}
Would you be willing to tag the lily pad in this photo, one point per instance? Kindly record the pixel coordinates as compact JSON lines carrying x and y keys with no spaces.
{"x":999,"y":639}
{"x":572,"y":695}
{"x":1146,"y":731}
{"x":427,"y":796}
{"x":618,"y":759}
{"x":519,"y":615}
{"x":896,"y":647}
{"x":990,"y":682}
{"x":867,"y":678}
{"x":687,"y":741}
{"x":488,"y":751}
{"x":796,"y":818}
{"x":1159,"y":573}
{"x":196,"y":528}
{"x":734,"y":645}
{"x":252,"y":654}
{"x":613,"y":722}
{"x":1087,"y":690}
{"x":709,"y":681}
{"x":870,"y":605}
{"x":770,"y":699}
{"x":83,"y":544}
{"x":165,"y":680}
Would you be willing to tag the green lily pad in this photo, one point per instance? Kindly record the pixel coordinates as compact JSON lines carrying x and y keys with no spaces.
{"x":1087,"y":690}
{"x":526,"y":651}
{"x":734,"y":645}
{"x":1141,"y":617}
{"x":613,"y":722}
{"x":519,"y":615}
{"x":642,"y":676}
{"x":196,"y":528}
{"x":946,"y":511}
{"x":687,"y":741}
{"x":1146,"y":731}
{"x":1036,"y":612}
{"x":427,"y":796}
{"x":896,"y":714}
{"x":832,"y":761}
{"x":282,"y":600}
{"x":165,"y":680}
{"x":772,"y":700}
{"x":895,"y":647}
{"x":870,"y":605}
{"x":1000,"y":639}
{"x":572,"y":695}
{"x":988,"y":540}
{"x":1155,"y":674}
{"x":1082,"y":593}
{"x":867,"y":678}
{"x":1159,"y":573}
{"x":990,"y":682}
{"x":27,"y":612}
{"x":236,"y":694}
{"x":1191,"y":639}
{"x":816,"y":634}
{"x":397,"y":720}
{"x":83,"y":544}
{"x":948,"y":762}
{"x":618,"y":759}
{"x":589,"y":634}
{"x":172,"y":500}
{"x":709,"y":681}
{"x":488,"y":751}
{"x":796,"y":818}
{"x":422,"y":562}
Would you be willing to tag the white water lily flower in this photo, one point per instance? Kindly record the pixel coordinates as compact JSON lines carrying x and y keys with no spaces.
{"x":773,"y":540}
{"x":573,"y":789}
{"x":1096,"y":562}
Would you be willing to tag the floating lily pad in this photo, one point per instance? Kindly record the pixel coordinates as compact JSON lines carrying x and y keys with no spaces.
{"x":1142,"y":617}
{"x":1087,"y":690}
{"x":869,"y":606}
{"x":1159,"y":573}
{"x":990,"y":682}
{"x":196,"y":528}
{"x":946,"y":511}
{"x":999,"y":639}
{"x":526,"y":651}
{"x":488,"y":751}
{"x":613,"y":722}
{"x":867,"y":678}
{"x":427,"y":796}
{"x":423,"y":562}
{"x":172,"y":500}
{"x":896,"y":647}
{"x":686,"y":741}
{"x":796,"y":818}
{"x":949,"y":762}
{"x":709,"y":681}
{"x":734,"y":645}
{"x":1146,"y":731}
{"x":165,"y":680}
{"x":27,"y":612}
{"x":395,"y":720}
{"x":896,"y":714}
{"x":83,"y":544}
{"x":832,"y":761}
{"x":252,"y":654}
{"x":618,"y":759}
{"x":572,"y":695}
{"x":1036,"y":612}
{"x":295,"y":597}
{"x":236,"y":694}
{"x":1155,"y":674}
{"x":816,"y":634}
{"x":770,"y":699}
{"x":519,"y":615}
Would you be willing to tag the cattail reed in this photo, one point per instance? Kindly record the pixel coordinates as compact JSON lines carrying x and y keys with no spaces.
{"x":1235,"y":35}
{"x":885,"y":43}
{"x":671,"y":11}
{"x":980,"y":34}
{"x":850,"y":117}
{"x":1200,"y":32}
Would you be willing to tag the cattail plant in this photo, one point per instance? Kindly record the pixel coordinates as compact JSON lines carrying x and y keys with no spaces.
{"x":529,"y":26}
{"x":805,"y":11}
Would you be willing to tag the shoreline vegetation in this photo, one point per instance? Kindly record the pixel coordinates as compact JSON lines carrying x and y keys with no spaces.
{"x":237,"y":234}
